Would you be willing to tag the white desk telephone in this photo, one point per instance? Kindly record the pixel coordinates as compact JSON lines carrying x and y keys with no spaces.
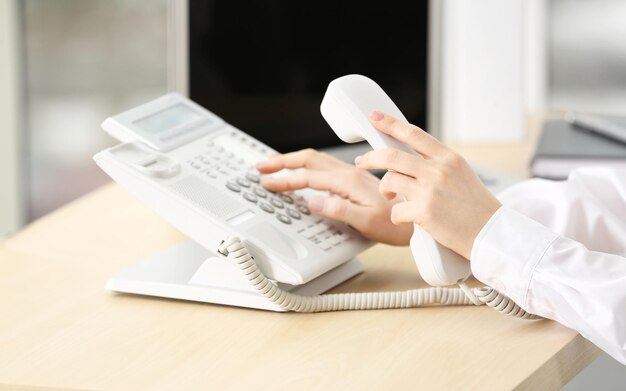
{"x":197,"y":172}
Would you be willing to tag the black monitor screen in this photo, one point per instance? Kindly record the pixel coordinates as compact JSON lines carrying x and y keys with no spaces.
{"x":264,"y":66}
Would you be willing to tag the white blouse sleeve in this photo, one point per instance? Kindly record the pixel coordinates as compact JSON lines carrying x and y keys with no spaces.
{"x":557,"y":249}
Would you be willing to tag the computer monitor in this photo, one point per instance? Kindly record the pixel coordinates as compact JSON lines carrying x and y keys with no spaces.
{"x":264,"y":66}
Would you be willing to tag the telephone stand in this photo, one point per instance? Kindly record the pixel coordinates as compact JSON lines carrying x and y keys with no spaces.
{"x":189,"y":271}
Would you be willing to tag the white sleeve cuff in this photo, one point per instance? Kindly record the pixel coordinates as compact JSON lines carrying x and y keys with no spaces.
{"x":507,"y":250}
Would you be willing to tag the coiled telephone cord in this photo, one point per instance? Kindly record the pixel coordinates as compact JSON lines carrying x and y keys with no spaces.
{"x":238,"y":254}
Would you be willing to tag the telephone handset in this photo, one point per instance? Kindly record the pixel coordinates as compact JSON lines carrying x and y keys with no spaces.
{"x":346,"y":106}
{"x":197,"y":172}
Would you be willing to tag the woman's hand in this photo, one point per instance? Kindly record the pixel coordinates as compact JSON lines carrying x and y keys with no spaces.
{"x":360,"y":205}
{"x":442,"y":193}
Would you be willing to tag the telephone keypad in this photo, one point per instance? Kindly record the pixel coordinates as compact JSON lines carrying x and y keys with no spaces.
{"x":239,"y":177}
{"x":324,"y":234}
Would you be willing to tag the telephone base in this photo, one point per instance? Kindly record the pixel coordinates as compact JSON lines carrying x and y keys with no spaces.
{"x":189,"y":271}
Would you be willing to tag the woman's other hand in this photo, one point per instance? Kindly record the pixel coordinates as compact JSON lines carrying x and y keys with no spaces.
{"x":440,"y":191}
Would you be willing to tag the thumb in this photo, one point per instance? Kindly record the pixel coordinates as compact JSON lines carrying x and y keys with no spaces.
{"x":338,"y":209}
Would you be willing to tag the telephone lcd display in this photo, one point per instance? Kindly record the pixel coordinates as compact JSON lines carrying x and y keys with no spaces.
{"x":169,"y":118}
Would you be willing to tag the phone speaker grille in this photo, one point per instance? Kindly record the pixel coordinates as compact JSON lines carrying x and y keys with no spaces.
{"x":206,"y":197}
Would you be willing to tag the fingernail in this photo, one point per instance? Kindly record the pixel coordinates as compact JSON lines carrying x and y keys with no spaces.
{"x":358,"y":160}
{"x":316,"y":204}
{"x":261,"y":164}
{"x":376,"y":116}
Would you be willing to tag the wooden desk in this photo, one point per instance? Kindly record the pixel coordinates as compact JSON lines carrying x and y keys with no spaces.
{"x":59,"y":328}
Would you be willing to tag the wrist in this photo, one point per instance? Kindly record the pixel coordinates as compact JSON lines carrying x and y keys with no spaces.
{"x":480,"y":220}
{"x":489,"y":220}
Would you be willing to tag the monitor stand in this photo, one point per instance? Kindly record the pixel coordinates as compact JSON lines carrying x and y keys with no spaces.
{"x":189,"y":271}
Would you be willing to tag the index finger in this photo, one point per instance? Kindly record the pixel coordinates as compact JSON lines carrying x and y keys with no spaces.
{"x":392,"y":159}
{"x":409,"y":134}
{"x":313,"y":179}
{"x":305,"y":158}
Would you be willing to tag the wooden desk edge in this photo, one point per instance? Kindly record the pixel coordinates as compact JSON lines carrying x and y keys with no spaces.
{"x":554,"y":374}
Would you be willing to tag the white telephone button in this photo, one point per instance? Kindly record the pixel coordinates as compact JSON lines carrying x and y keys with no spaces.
{"x":283,"y":218}
{"x":303,"y":209}
{"x":260,"y":192}
{"x":343,"y":235}
{"x":266,"y":207}
{"x":319,"y":228}
{"x":294,"y":214}
{"x":253,"y":178}
{"x":277,"y":203}
{"x":243,"y":182}
{"x":286,"y":198}
{"x":233,"y":187}
{"x":325,"y":245}
{"x":308,"y":234}
{"x":335,"y":239}
{"x":250,"y":197}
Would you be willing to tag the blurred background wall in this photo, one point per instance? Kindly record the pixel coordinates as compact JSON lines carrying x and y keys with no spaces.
{"x":83,"y":60}
{"x":586,"y":55}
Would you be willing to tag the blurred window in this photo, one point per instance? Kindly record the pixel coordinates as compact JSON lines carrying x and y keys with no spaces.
{"x":587,"y":55}
{"x":84,"y":60}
